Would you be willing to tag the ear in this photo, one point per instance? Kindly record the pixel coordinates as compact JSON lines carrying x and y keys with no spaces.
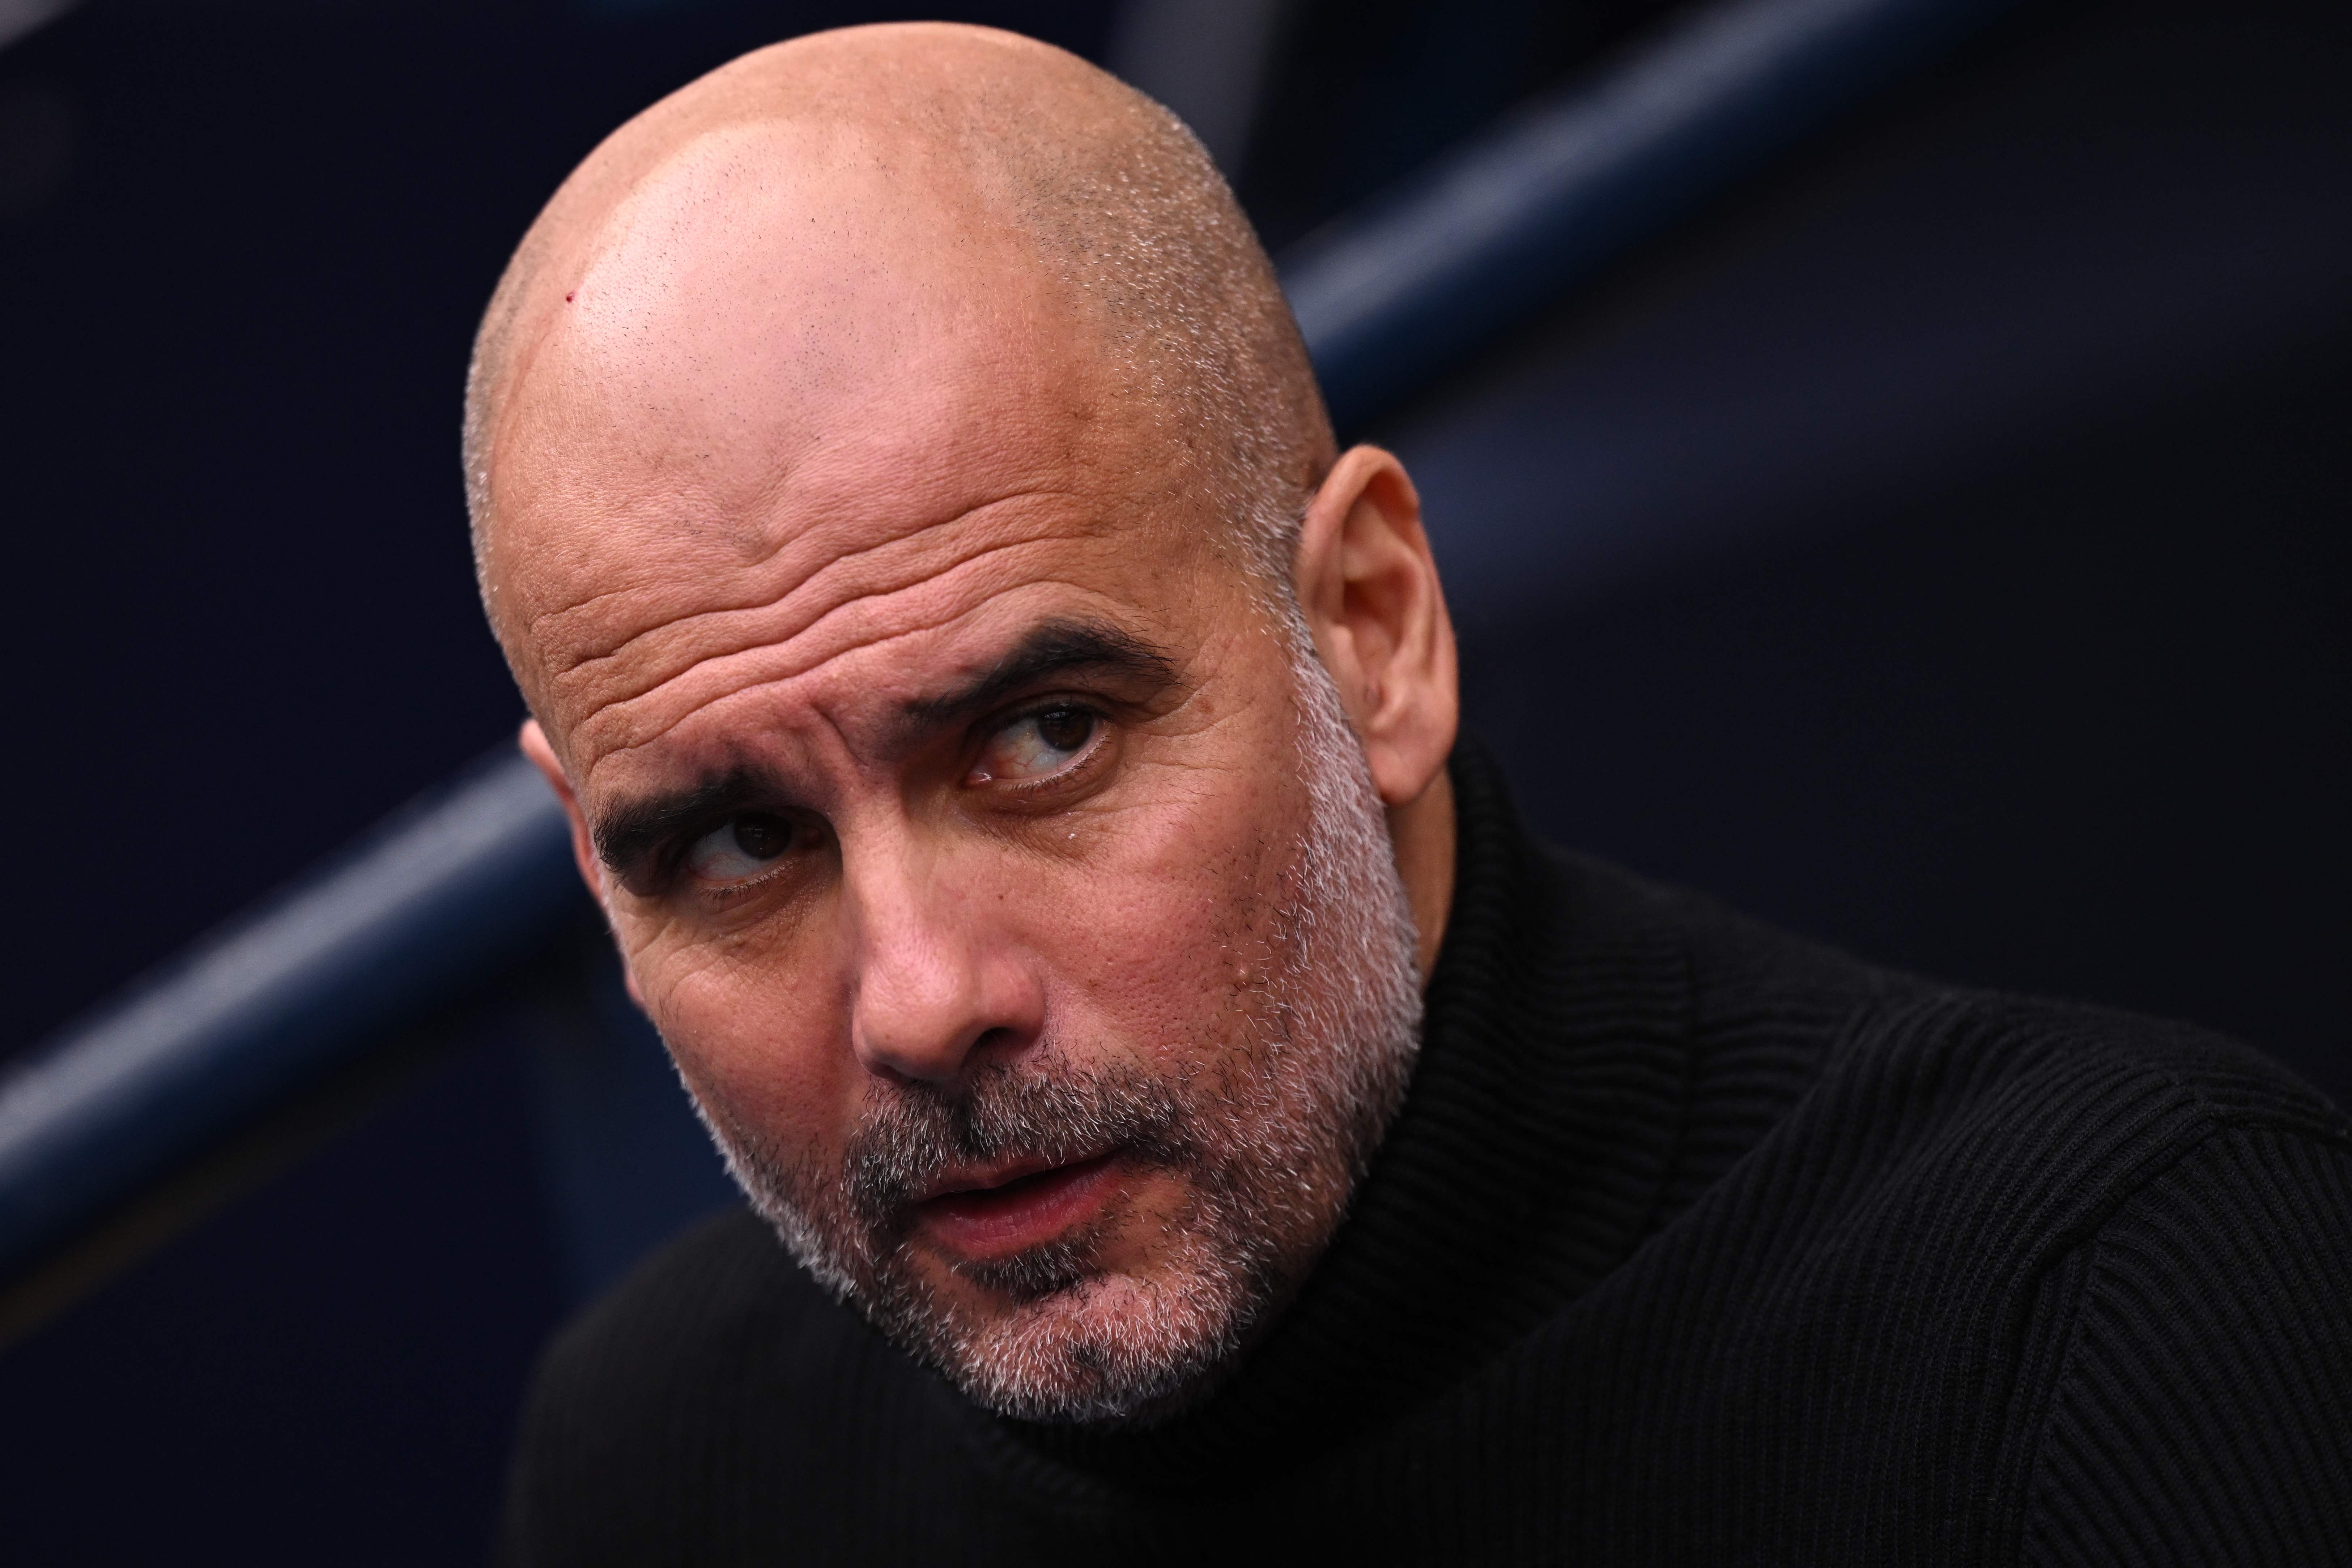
{"x":1368,"y":589}
{"x":541,"y":751}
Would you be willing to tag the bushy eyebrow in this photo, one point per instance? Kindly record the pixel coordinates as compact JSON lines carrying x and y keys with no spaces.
{"x":631,"y":831}
{"x":1052,"y":649}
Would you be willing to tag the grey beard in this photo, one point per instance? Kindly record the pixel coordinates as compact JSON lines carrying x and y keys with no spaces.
{"x":1270,"y":1143}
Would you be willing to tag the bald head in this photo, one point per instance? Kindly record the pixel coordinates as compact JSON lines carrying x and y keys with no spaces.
{"x":1006,"y":741}
{"x":857,"y":229}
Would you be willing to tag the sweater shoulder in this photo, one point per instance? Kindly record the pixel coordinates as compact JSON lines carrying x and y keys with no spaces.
{"x":1895,"y":1082}
{"x":2038,"y":1062}
{"x":2013,"y":1131}
{"x":1755,"y":984}
{"x":2205,"y":1319}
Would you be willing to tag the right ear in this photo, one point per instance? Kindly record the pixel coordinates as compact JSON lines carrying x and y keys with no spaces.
{"x":535,"y":745}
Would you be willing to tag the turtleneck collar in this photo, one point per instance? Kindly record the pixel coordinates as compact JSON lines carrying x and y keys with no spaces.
{"x":1527,"y":1160}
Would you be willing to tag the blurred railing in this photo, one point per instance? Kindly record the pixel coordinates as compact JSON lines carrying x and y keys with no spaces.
{"x":447,"y":895}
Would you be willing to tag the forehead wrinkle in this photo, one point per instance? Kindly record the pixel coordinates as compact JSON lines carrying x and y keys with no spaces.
{"x":818,"y":631}
{"x":676,"y":512}
{"x":674,"y":643}
{"x":774,"y":664}
{"x":732,"y":746}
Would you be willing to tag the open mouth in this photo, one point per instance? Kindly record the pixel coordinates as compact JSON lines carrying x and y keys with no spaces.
{"x":1025,"y":1209}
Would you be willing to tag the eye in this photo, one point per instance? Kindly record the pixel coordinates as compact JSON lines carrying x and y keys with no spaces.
{"x":1036,"y":745}
{"x":742,"y":847}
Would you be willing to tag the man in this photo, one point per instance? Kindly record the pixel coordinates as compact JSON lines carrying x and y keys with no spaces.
{"x":1181,"y":1113}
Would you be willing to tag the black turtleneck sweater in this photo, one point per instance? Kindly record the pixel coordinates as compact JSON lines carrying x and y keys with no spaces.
{"x":1693,"y":1243}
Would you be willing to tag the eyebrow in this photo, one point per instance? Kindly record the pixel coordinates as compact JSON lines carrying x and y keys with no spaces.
{"x":1051,"y":649}
{"x":633,"y":830}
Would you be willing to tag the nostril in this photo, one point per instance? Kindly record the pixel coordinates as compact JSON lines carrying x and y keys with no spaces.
{"x":897,"y":1077}
{"x":996,"y":1041}
{"x":936,"y":1059}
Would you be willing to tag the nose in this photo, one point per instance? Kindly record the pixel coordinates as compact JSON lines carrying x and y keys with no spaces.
{"x":938,"y":982}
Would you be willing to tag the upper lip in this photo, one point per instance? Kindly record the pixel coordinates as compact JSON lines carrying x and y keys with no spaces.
{"x":985,"y":1179}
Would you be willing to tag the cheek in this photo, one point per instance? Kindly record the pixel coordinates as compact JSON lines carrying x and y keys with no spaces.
{"x":760,"y":1035}
{"x":1165,"y":937}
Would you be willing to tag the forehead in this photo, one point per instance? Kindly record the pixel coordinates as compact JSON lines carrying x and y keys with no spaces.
{"x":805,"y":412}
{"x":818,"y":651}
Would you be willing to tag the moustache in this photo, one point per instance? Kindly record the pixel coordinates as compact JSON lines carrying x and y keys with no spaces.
{"x":918,"y":1134}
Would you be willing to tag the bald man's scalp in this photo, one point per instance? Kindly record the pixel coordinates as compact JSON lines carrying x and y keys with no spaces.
{"x":1105,"y":192}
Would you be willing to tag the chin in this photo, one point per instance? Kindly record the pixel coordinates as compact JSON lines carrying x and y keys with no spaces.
{"x":1111,"y":1350}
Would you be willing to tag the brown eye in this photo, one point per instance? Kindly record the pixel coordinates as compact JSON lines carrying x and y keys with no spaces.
{"x":1065,"y":728}
{"x":741,"y":848}
{"x":763,"y":838}
{"x":1038,"y":744}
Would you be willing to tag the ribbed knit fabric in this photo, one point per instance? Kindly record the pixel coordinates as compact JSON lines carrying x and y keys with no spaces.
{"x":1694,"y":1243}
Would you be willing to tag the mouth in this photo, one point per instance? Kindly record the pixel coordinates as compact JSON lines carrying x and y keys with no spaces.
{"x":1002,"y":1212}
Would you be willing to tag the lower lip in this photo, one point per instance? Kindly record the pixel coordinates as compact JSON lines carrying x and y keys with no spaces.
{"x":1002,"y":1221}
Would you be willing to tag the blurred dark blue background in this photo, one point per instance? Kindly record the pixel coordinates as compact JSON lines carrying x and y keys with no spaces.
{"x":1939,"y":545}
